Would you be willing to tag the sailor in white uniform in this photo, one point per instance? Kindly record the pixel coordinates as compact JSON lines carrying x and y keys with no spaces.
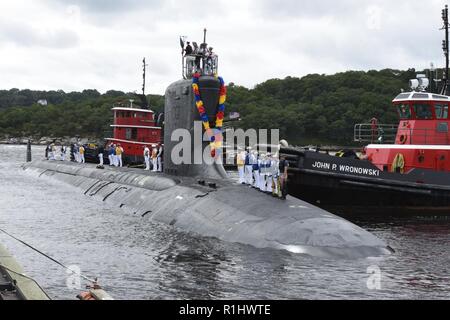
{"x":159,"y":158}
{"x":269,"y":173}
{"x":248,"y":168}
{"x":262,"y":174}
{"x":275,"y":175}
{"x":147,"y":158}
{"x":154,"y":157}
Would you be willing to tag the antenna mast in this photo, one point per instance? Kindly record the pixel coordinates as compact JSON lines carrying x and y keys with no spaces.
{"x":204,"y":35}
{"x":143,"y":76}
{"x":445,"y":47}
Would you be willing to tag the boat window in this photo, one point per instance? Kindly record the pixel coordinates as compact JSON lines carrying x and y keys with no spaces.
{"x":128,"y":134}
{"x":404,"y":111}
{"x":134,"y":133}
{"x":420,"y":96}
{"x":423,"y":111}
{"x":435,"y":96}
{"x":403,"y":96}
{"x":128,"y":114}
{"x":441,"y":110}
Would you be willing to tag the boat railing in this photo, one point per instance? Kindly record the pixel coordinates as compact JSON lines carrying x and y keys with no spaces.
{"x":207,"y":65}
{"x":379,"y":133}
{"x":388,"y":133}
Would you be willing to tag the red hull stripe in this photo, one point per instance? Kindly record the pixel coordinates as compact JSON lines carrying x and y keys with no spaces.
{"x":131,"y":126}
{"x":132,"y":142}
{"x":408,"y":146}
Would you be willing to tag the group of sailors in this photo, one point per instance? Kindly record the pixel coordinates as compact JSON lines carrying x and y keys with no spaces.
{"x":263,"y":171}
{"x":115,"y":153}
{"x":51,"y":152}
{"x":201,"y":58}
{"x":155,"y":156}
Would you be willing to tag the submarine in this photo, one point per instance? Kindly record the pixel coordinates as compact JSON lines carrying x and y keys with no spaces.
{"x":201,"y":198}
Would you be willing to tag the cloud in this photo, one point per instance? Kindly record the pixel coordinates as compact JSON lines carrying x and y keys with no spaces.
{"x":100,"y":44}
{"x":23,"y":34}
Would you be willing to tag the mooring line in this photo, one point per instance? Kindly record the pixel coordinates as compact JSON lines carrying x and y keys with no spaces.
{"x":47,"y":256}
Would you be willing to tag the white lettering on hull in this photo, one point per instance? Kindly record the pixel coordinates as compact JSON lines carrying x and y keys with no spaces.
{"x":346,"y":169}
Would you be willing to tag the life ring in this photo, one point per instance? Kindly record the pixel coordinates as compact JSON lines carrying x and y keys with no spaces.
{"x":398,"y":163}
{"x":403,"y":138}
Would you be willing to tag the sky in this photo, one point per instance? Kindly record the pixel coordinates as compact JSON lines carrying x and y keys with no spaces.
{"x":99,"y":44}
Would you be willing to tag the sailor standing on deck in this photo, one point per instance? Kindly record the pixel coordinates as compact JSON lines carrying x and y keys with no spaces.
{"x":269,"y":165}
{"x":63,"y":153}
{"x":101,"y":150}
{"x":262,"y":173}
{"x":248,"y":168}
{"x":154,"y":157}
{"x":159,"y":158}
{"x":275,"y":176}
{"x":256,"y":168}
{"x":240,"y":162}
{"x":76,"y":153}
{"x":82,"y":160}
{"x":147,"y":158}
{"x":284,"y":164}
{"x":110,"y":154}
{"x":114,"y":156}
{"x":119,"y":152}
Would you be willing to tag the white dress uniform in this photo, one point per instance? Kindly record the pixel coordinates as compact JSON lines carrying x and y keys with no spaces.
{"x":249,"y":169}
{"x":147,"y":158}
{"x":160,"y":151}
{"x":269,"y":174}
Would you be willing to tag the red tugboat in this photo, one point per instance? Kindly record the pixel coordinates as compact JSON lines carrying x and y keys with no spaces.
{"x":135,"y":128}
{"x":410,"y":176}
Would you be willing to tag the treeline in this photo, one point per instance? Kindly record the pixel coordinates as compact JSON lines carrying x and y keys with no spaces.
{"x":84,"y":114}
{"x":320,"y":109}
{"x":315,"y":109}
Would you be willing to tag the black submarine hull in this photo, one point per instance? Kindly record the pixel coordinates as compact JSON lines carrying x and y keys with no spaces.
{"x":348,"y":186}
{"x":219,"y":208}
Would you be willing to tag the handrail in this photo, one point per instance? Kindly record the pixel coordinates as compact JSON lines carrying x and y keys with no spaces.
{"x":388,"y":133}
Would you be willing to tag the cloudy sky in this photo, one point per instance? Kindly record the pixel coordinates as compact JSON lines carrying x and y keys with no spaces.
{"x":99,"y":44}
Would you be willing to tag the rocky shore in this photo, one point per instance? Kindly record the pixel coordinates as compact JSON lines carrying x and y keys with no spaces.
{"x":43,"y":141}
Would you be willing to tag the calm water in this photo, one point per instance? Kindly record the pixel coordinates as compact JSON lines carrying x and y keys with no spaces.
{"x":137,"y":259}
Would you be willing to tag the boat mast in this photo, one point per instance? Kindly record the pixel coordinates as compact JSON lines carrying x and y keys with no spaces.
{"x":446,"y":50}
{"x":145,"y":65}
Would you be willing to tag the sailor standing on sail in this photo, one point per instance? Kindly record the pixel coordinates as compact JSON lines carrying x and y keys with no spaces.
{"x":147,"y":158}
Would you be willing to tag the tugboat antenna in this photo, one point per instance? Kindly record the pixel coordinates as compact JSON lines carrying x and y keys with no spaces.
{"x":445,"y":47}
{"x":144,"y":74}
